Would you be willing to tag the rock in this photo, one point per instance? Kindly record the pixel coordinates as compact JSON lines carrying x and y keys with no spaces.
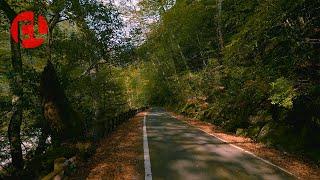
{"x":240,"y":132}
{"x":60,"y":165}
{"x":254,"y":131}
{"x":260,"y":119}
{"x":265,"y":131}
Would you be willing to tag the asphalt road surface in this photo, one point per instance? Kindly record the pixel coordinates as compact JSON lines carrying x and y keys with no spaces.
{"x":180,"y":151}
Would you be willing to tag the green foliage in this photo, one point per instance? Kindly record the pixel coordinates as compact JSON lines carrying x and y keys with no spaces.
{"x":243,"y":88}
{"x":282,"y":93}
{"x":84,"y":53}
{"x":180,"y":64}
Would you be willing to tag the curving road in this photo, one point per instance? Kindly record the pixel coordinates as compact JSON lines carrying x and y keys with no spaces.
{"x":179,"y":151}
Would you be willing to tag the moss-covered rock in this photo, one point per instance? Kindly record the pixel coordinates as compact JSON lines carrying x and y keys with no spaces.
{"x":254,"y":131}
{"x":265,"y":131}
{"x":241,"y":132}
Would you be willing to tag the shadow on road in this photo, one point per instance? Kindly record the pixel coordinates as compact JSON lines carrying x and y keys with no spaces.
{"x":179,"y":151}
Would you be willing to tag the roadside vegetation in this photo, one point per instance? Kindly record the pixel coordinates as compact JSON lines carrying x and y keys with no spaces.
{"x":59,"y":99}
{"x":251,"y":67}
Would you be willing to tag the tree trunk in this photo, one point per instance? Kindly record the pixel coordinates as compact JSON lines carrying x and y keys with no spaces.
{"x":17,"y":91}
{"x":63,"y":122}
{"x":42,"y":141}
{"x":219,"y":30}
{"x":17,"y":109}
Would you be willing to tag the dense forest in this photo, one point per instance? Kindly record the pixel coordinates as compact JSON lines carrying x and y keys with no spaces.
{"x":251,"y":67}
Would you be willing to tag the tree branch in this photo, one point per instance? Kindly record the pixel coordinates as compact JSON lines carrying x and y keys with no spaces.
{"x":53,"y":21}
{"x":10,"y":13}
{"x":92,"y":66}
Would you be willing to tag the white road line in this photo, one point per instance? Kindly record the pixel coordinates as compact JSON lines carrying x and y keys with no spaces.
{"x":248,"y":152}
{"x":147,"y":164}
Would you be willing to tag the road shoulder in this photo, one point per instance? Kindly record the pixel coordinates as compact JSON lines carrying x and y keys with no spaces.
{"x":291,"y":163}
{"x":119,"y":156}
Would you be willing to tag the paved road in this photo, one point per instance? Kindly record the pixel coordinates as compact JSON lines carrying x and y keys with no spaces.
{"x":179,"y":151}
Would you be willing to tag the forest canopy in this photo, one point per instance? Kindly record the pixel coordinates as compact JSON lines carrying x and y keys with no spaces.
{"x":251,"y":67}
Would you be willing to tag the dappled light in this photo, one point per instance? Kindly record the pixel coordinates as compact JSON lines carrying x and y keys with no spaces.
{"x":159,"y":89}
{"x":188,"y":152}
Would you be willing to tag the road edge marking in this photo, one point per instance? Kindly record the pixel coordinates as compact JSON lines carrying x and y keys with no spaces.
{"x":248,"y":152}
{"x":147,"y":163}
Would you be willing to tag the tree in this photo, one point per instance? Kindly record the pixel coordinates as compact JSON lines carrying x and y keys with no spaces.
{"x":219,"y":29}
{"x":16,"y":87}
